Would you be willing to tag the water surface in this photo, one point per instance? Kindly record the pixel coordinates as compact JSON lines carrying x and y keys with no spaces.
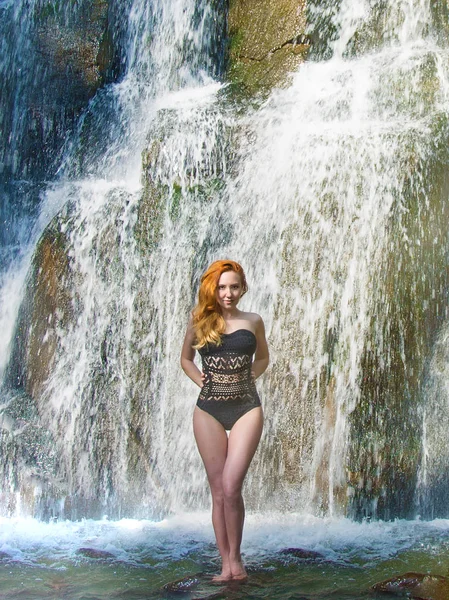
{"x":43,"y":560}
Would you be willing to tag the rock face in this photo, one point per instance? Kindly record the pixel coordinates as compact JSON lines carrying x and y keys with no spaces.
{"x":77,"y":47}
{"x":410,"y":306}
{"x":47,"y":306}
{"x":266,"y":42}
{"x":71,"y":50}
{"x":416,"y":585}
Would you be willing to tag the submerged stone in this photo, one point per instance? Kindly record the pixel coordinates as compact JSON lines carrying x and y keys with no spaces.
{"x":301,"y":553}
{"x":94,"y":553}
{"x":183,"y":585}
{"x":416,"y":585}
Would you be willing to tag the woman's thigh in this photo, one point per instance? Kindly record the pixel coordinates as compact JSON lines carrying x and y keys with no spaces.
{"x":212,"y":442}
{"x":242,"y":445}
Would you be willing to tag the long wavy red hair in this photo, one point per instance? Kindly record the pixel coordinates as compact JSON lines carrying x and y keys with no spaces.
{"x":208,"y":322}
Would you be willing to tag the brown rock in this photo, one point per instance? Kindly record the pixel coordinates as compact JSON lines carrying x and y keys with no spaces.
{"x":93,"y":553}
{"x":267,"y":42}
{"x":183,"y":585}
{"x":419,"y":586}
{"x":74,"y":45}
{"x":47,"y":305}
{"x":300,"y":553}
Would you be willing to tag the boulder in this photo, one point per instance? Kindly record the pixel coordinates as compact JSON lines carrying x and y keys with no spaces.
{"x":94,"y":553}
{"x":409,"y":300}
{"x":183,"y":585}
{"x":419,"y":586}
{"x":267,"y":41}
{"x":47,"y":305}
{"x":301,"y":553}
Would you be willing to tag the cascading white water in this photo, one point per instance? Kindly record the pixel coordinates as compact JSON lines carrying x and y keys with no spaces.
{"x":15,"y":231}
{"x":433,"y":480}
{"x":108,"y":286}
{"x":302,"y":191}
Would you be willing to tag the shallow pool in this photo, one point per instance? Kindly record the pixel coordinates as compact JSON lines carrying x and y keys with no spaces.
{"x":136,"y":559}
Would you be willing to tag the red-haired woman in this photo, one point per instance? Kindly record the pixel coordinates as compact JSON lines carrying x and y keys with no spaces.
{"x":226,"y":338}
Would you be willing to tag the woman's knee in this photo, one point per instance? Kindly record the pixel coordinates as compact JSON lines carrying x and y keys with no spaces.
{"x":232,"y":490}
{"x":217,"y":493}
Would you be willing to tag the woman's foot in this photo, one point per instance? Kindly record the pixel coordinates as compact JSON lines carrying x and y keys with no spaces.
{"x":225,"y":575}
{"x":222,"y":577}
{"x":238,"y":571}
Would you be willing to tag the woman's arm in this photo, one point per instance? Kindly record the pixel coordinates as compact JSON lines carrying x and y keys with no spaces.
{"x":187,"y":356}
{"x":262,"y":357}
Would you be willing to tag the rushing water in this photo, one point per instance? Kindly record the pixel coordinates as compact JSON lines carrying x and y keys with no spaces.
{"x":332,"y":195}
{"x":50,"y":560}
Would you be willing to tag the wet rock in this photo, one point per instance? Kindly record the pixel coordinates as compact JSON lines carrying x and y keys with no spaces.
{"x":215,"y":596}
{"x":323,"y":477}
{"x":73,"y":50}
{"x":409,"y":306}
{"x":183,"y":585}
{"x":267,"y":42}
{"x":94,"y":553}
{"x":73,"y":44}
{"x":419,"y":586}
{"x":46,"y":306}
{"x":301,"y":553}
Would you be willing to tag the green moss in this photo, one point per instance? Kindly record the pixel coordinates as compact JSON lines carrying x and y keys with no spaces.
{"x":252,"y":77}
{"x":175,"y":204}
{"x":48,"y":10}
{"x":148,"y":228}
{"x":235,"y":43}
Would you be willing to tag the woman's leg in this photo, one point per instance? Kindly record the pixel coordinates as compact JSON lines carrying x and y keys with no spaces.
{"x":242,"y":444}
{"x":212,"y":442}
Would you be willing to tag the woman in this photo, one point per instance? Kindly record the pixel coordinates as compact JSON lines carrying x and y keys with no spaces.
{"x":226,"y":338}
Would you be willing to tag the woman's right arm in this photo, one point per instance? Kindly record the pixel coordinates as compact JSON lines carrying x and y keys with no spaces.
{"x":187,"y":356}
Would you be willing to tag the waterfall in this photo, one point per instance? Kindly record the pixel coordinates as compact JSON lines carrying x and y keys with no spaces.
{"x":330,"y":193}
{"x":101,"y":169}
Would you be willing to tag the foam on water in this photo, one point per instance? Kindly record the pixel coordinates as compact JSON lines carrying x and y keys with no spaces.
{"x":339,"y":540}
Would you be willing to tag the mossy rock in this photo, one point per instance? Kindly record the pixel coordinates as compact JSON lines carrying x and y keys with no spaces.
{"x":409,"y":307}
{"x":266,"y":43}
{"x":46,"y":306}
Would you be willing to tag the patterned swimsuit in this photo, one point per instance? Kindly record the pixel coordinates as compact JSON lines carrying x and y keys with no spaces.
{"x":229,"y":391}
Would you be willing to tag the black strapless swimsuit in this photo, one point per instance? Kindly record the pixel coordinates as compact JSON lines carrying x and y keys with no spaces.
{"x":229,"y":391}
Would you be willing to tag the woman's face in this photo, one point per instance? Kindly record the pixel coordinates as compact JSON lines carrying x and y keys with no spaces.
{"x":229,"y":290}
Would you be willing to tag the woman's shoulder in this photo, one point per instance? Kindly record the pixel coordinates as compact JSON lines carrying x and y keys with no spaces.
{"x":252,"y":318}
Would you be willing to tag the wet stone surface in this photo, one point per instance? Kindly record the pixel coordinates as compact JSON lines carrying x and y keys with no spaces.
{"x":419,"y":586}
